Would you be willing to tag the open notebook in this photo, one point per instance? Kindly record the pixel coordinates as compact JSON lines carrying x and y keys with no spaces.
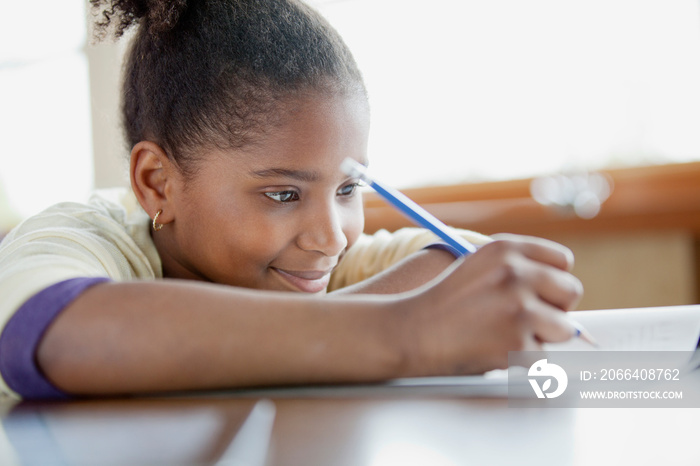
{"x":675,"y":328}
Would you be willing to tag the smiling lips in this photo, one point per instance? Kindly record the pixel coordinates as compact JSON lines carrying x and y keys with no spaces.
{"x":307,"y":282}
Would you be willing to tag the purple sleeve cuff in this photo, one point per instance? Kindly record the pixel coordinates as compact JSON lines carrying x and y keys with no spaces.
{"x":23,"y":332}
{"x":445,"y":247}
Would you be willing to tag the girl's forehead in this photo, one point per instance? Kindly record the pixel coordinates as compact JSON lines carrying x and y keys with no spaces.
{"x":320,"y":109}
{"x":310,"y":139}
{"x":316,"y":127}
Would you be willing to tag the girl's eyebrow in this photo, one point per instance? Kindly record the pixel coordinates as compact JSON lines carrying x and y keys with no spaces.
{"x":308,"y":176}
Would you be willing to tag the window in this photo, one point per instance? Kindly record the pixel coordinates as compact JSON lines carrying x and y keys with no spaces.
{"x":466,"y":90}
{"x":44,"y":107}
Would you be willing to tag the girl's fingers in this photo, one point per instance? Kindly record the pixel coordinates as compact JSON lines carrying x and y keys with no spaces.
{"x":539,"y":249}
{"x":560,"y":289}
{"x":549,"y":324}
{"x":539,"y":265}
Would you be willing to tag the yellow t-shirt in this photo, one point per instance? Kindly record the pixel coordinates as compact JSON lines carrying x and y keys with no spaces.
{"x":110,"y":237}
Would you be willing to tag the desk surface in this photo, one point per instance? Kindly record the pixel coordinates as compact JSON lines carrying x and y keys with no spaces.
{"x":374,"y":431}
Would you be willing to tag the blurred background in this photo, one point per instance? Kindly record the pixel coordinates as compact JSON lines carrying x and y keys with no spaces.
{"x":463,"y":93}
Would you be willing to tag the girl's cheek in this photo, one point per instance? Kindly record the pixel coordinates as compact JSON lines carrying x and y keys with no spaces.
{"x":354,"y":230}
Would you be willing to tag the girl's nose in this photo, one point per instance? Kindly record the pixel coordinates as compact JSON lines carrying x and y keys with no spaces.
{"x":322,"y":231}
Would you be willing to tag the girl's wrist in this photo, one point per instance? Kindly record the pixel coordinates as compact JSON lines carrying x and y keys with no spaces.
{"x":405,"y":315}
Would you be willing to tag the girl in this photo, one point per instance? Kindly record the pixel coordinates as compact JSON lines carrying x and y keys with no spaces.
{"x":211,"y":272}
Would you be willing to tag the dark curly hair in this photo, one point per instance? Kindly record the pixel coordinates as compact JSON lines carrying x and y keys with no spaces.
{"x":215,"y":73}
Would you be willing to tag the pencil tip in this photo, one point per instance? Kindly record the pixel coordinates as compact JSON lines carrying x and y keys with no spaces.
{"x":585,"y":336}
{"x":588,"y":339}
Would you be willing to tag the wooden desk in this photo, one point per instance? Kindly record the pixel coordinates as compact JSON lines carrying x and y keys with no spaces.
{"x":372,"y":431}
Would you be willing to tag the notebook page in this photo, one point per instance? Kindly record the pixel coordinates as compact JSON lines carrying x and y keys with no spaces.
{"x":673,"y":328}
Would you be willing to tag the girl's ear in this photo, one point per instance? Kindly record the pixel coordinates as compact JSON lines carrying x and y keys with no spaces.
{"x":153,"y":175}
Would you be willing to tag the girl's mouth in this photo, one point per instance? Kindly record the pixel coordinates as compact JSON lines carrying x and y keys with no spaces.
{"x":305,"y":281}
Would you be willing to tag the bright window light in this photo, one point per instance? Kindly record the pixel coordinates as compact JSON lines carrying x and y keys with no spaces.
{"x":465,"y":90}
{"x":44,"y":107}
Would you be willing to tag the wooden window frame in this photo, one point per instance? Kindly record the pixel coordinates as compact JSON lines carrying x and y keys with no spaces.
{"x":663,"y":197}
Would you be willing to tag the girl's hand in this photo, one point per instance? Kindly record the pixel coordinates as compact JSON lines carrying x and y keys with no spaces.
{"x":508,"y":296}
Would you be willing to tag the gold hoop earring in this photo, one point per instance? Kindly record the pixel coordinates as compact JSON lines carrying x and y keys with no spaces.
{"x":157,"y":226}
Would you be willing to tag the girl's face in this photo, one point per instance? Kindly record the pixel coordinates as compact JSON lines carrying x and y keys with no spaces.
{"x":278,"y":215}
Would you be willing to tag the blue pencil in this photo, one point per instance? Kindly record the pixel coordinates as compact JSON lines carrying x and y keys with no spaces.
{"x":425,"y":219}
{"x":409,"y":208}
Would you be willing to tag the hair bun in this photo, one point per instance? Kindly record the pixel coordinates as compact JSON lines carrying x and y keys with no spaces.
{"x":160,"y":15}
{"x":163,"y":15}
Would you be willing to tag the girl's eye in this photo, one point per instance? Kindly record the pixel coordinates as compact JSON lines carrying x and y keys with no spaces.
{"x":348,"y":190}
{"x":283,"y":196}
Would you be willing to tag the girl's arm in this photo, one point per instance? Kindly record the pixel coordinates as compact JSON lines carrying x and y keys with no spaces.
{"x":141,"y":337}
{"x":151,"y":336}
{"x":408,"y":274}
{"x":396,"y":262}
